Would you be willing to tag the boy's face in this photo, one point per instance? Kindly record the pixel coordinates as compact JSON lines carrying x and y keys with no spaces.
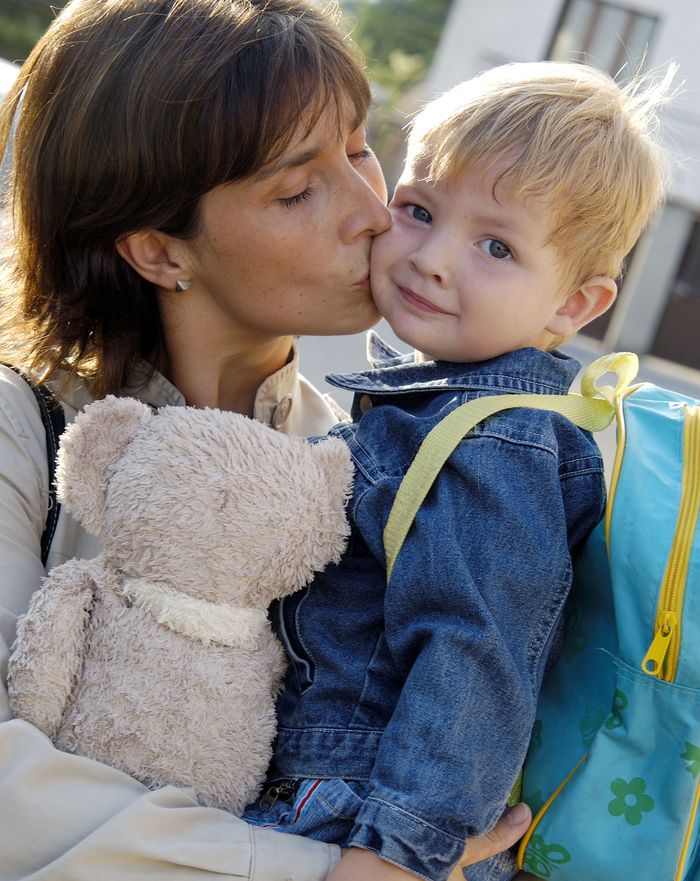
{"x":461,"y":276}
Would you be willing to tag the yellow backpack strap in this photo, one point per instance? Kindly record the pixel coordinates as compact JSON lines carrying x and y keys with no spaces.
{"x":592,"y":410}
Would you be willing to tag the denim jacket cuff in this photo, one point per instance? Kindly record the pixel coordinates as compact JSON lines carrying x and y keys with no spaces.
{"x":405,"y":840}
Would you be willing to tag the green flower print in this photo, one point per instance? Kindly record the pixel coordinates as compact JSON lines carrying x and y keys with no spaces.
{"x":692,"y":756}
{"x":541,"y":858}
{"x":631,"y":800}
{"x":575,"y":639}
{"x":620,"y":701}
{"x":589,"y":725}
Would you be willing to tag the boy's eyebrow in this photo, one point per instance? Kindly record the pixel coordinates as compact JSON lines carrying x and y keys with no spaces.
{"x":500,"y":222}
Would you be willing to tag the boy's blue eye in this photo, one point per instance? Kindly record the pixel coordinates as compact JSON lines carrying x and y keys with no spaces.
{"x":495,"y":248}
{"x":417,"y":212}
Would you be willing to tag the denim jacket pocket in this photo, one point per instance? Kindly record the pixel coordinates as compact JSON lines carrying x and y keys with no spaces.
{"x":286,"y":614}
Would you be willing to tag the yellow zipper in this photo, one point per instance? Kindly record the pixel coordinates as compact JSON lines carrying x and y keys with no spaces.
{"x":661,"y":659}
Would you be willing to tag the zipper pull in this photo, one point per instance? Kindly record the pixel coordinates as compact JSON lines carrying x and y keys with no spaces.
{"x":269,"y":798}
{"x":654,"y":658}
{"x":284,"y":789}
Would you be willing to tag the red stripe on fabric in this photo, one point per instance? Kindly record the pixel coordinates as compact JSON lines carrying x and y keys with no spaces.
{"x":308,"y":795}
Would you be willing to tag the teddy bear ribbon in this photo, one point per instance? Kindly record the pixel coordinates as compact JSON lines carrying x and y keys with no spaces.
{"x":221,"y":623}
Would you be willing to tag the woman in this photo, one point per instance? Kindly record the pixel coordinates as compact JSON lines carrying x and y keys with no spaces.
{"x":191,"y":187}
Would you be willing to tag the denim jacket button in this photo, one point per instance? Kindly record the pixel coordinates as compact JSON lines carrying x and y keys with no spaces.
{"x":365,"y":403}
{"x":282,"y":411}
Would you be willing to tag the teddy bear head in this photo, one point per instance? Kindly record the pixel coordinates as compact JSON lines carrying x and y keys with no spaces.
{"x":214,"y":504}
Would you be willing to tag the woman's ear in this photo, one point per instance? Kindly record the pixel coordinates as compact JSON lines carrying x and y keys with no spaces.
{"x":587,"y":302}
{"x":153,"y":255}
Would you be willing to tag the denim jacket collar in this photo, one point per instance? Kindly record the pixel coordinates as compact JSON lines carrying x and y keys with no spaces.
{"x":525,"y":370}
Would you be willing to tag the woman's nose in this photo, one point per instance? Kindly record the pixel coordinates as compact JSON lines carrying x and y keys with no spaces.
{"x":368,"y":213}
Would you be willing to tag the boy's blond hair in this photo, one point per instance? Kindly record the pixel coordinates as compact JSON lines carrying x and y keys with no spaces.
{"x":565,"y":133}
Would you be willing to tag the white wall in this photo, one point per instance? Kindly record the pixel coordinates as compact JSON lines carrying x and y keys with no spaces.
{"x":8,"y":72}
{"x":481,"y":33}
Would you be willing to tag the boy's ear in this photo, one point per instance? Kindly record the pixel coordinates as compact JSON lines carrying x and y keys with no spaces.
{"x":152,"y":254}
{"x":587,"y":302}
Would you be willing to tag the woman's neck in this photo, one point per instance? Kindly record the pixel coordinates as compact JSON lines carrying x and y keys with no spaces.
{"x":217,"y":367}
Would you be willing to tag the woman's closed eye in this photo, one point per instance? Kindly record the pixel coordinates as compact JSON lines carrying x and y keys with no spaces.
{"x":364,"y":153}
{"x":495,"y":248}
{"x":291,"y":201}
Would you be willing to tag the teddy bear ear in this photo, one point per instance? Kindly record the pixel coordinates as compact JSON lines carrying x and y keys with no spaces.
{"x":89,"y":448}
{"x":335,"y":465}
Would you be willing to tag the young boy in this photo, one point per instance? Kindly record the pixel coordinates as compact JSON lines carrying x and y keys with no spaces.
{"x":408,"y":707}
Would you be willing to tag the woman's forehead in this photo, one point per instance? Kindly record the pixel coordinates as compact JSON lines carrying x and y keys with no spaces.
{"x":311,"y":137}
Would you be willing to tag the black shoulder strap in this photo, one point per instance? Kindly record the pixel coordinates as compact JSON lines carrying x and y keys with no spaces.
{"x":54,"y":424}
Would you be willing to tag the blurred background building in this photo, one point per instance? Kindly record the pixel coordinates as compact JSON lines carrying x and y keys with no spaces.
{"x":417,"y":48}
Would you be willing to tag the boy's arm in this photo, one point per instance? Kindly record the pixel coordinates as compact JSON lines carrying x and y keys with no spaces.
{"x":470,"y":613}
{"x":364,"y":865}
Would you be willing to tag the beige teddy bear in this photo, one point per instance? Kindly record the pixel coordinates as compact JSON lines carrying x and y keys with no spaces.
{"x":157,"y":656}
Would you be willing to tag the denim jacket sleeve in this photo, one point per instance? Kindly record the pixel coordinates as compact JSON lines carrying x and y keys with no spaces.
{"x":470,"y":613}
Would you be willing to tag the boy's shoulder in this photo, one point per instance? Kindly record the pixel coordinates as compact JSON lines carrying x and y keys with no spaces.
{"x":393,"y":373}
{"x":400,"y":400}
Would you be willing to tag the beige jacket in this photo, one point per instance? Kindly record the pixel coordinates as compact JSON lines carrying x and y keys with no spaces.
{"x":66,"y":818}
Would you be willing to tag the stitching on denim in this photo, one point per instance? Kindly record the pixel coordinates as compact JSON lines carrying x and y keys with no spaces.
{"x":409,"y":816}
{"x":322,"y":796}
{"x":581,"y":472}
{"x":554,"y":610}
{"x":381,"y":639}
{"x":518,"y":442}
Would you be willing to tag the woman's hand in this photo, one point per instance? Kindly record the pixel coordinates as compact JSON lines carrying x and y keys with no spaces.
{"x":509,"y":829}
{"x":364,"y":865}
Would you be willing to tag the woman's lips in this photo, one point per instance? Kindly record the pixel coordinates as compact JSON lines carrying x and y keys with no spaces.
{"x":419,"y":302}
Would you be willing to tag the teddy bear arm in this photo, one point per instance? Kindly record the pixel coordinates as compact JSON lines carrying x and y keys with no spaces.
{"x":49,"y":650}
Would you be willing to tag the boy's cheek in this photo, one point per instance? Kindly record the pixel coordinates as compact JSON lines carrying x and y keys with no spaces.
{"x":383,"y":249}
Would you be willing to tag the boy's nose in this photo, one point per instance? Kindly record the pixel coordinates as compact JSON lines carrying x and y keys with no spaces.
{"x":428,"y":263}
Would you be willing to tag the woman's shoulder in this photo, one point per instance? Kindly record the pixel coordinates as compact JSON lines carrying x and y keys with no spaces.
{"x":19,"y":411}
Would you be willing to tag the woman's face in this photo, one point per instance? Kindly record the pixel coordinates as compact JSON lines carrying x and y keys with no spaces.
{"x":287,"y":251}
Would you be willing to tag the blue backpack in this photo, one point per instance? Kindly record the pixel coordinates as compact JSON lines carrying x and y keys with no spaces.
{"x":613,"y":771}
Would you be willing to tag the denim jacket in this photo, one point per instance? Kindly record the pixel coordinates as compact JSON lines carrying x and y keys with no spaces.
{"x":426,"y":689}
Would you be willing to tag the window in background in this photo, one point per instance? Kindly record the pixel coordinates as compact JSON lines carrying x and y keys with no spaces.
{"x":677,"y":334}
{"x":613,"y":38}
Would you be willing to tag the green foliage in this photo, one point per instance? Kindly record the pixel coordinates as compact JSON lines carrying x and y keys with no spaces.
{"x":22,"y":22}
{"x":399,"y":38}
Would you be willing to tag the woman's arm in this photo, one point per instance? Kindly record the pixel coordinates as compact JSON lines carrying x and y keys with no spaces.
{"x":67,"y":818}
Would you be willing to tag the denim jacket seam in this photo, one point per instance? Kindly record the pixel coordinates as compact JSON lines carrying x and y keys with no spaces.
{"x":361,"y":458}
{"x":309,"y":656}
{"x":401,"y":813}
{"x":554,"y":612}
{"x":330,"y":729}
{"x":565,"y":474}
{"x":365,"y":680}
{"x":517,"y":441}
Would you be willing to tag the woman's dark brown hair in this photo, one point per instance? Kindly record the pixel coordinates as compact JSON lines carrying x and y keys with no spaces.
{"x":132,"y":110}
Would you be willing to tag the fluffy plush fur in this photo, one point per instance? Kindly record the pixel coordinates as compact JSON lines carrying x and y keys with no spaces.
{"x":157,"y":656}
